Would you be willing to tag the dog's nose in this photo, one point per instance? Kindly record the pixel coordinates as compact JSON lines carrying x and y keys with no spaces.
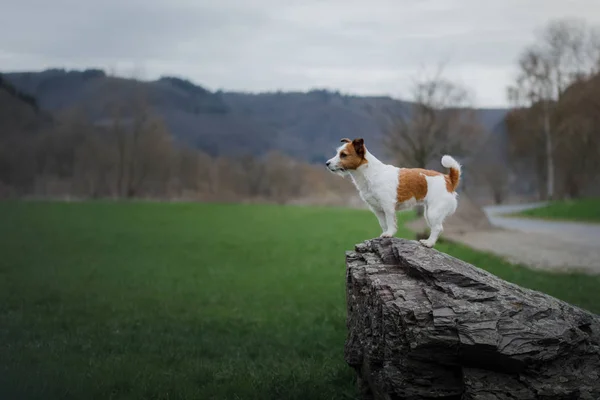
{"x":327,"y":163}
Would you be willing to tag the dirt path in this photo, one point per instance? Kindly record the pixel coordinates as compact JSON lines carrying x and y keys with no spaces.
{"x":574,"y":232}
{"x":537,"y":243}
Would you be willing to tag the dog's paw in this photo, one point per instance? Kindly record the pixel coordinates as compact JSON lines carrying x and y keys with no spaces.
{"x":386,"y":235}
{"x":426,"y":243}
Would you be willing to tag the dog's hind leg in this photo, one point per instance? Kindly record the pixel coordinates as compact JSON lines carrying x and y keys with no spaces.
{"x":425,"y":215}
{"x":435,"y":214}
{"x":435,"y":218}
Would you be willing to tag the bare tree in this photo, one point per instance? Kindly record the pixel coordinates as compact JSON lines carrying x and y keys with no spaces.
{"x":283,"y":182}
{"x":492,"y":174}
{"x":93,"y":166}
{"x":534,"y":86}
{"x":439,"y":121}
{"x":150,"y":167}
{"x":566,"y":51}
{"x":577,"y":125}
{"x":141,"y":141}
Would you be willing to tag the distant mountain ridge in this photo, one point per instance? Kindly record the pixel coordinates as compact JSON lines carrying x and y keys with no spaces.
{"x":306,"y":125}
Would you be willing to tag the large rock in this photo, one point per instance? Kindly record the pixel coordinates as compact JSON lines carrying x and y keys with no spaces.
{"x":424,"y":325}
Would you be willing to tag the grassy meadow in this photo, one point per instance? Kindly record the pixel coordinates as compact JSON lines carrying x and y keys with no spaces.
{"x":190,"y":301}
{"x":582,"y":210}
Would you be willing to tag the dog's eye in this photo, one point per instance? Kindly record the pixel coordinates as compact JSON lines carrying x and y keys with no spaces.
{"x":343,"y":155}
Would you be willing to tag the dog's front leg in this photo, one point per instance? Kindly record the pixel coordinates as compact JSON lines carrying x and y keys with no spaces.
{"x":390,"y":222}
{"x":380,"y":217}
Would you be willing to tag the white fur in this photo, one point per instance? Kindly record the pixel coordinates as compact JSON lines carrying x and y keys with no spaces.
{"x":449,"y":162}
{"x":377,"y":184}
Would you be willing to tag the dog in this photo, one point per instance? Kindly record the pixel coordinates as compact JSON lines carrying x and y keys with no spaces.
{"x":386,"y":188}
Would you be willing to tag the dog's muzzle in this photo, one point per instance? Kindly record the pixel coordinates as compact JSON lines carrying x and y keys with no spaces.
{"x":334,"y":169}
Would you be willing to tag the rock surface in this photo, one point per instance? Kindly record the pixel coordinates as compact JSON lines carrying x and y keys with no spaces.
{"x":424,"y":325}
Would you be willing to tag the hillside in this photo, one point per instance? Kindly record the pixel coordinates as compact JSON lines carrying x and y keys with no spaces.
{"x":20,"y":121}
{"x":19,"y":112}
{"x":305,"y":125}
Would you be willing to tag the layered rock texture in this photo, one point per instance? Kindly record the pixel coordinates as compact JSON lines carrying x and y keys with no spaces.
{"x":424,"y":325}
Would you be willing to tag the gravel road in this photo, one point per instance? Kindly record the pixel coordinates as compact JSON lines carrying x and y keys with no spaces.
{"x":554,"y":245}
{"x":575,"y":232}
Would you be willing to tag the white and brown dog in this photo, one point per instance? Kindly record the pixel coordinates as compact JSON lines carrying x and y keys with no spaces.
{"x":386,"y":188}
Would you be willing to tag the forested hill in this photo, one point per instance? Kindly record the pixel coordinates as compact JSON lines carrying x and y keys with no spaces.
{"x":19,"y":112}
{"x":306,"y":125}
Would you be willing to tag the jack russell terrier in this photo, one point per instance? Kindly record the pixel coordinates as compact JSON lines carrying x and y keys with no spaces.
{"x":386,"y":188}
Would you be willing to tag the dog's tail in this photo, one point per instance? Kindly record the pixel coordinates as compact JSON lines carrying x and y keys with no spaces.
{"x":454,"y":174}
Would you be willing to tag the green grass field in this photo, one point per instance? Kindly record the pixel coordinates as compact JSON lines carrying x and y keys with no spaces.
{"x":585,"y":210}
{"x":175,"y":301}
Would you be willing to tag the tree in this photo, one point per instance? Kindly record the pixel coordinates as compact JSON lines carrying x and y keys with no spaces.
{"x":492,"y":174}
{"x":142,"y":143}
{"x":578,"y":126}
{"x":566,"y":51}
{"x":282,"y":178}
{"x":489,"y":169}
{"x":439,"y":121}
{"x":93,"y":166}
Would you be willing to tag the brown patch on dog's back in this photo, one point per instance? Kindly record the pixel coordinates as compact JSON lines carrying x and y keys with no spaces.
{"x":412,"y":183}
{"x":352,"y":155}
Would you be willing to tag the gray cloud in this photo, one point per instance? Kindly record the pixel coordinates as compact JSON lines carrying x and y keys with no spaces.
{"x":353,"y":46}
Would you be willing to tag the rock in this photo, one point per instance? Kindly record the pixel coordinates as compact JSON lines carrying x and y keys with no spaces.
{"x":424,"y":325}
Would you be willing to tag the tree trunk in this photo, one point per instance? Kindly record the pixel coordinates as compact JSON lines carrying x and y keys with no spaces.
{"x":498,"y":196}
{"x":424,"y":325}
{"x":549,"y":155}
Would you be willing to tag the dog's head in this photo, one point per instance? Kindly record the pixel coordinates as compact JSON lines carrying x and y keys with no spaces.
{"x":349,"y":156}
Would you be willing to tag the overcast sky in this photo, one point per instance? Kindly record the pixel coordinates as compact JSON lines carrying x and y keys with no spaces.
{"x":257,"y":45}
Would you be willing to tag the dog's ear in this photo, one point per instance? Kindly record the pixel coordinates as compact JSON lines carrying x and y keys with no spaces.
{"x":359,"y":146}
{"x":346,"y":140}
